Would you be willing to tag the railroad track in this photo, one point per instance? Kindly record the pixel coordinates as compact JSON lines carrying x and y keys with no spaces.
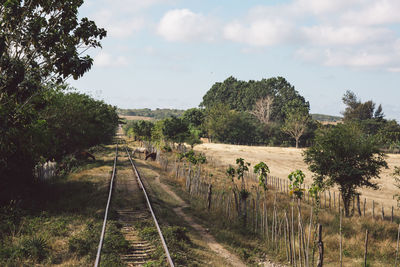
{"x":140,"y":250}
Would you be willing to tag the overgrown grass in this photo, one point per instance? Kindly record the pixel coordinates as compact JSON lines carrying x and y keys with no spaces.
{"x":253,"y":247}
{"x":59,"y":222}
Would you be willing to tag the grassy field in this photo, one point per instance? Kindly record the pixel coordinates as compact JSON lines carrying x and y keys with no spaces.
{"x":253,"y":247}
{"x":284,"y":160}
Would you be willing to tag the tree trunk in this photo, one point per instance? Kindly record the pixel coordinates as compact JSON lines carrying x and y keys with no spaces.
{"x":297,"y":142}
{"x":346,"y":197}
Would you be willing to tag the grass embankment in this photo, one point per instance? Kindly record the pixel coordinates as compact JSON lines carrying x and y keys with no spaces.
{"x":60,"y":222}
{"x":253,"y":246}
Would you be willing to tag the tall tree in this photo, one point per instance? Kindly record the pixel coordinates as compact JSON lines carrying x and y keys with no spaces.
{"x":346,"y":157}
{"x":356,"y":110}
{"x":40,"y":41}
{"x":297,"y":119}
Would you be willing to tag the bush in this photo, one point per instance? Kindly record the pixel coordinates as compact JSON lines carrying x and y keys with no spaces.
{"x":35,"y":248}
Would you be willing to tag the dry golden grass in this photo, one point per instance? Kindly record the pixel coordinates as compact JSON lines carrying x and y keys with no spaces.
{"x":135,"y":118}
{"x":284,"y":160}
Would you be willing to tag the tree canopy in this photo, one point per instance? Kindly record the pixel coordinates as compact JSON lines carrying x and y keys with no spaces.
{"x":242,"y":95}
{"x":346,"y":157}
{"x":41,"y":43}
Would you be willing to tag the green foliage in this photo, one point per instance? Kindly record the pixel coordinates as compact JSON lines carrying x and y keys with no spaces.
{"x":192,"y":157}
{"x":297,"y":119}
{"x":194,"y":116}
{"x":40,"y":42}
{"x":35,"y":248}
{"x":74,"y":122}
{"x":345,"y":156}
{"x":262,"y":170}
{"x":296,"y":181}
{"x":139,"y":129}
{"x":241,"y":96}
{"x":241,"y":168}
{"x":175,"y":130}
{"x":229,"y":126}
{"x":85,"y":242}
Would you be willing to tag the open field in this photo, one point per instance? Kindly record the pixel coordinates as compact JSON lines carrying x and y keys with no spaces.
{"x":283,"y":160}
{"x":135,"y":118}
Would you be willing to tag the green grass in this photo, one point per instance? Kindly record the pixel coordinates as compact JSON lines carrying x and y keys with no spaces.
{"x":59,"y":222}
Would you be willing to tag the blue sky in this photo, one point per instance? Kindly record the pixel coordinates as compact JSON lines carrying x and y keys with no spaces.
{"x":168,"y":53}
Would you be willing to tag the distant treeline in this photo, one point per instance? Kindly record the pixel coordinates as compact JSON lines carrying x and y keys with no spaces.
{"x":323,"y":117}
{"x":157,"y":114}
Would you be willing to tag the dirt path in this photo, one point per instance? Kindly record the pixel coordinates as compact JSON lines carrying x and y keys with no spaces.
{"x":208,"y":238}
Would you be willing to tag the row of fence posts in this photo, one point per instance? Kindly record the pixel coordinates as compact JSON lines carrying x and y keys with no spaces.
{"x":280,"y":228}
{"x":331,"y":199}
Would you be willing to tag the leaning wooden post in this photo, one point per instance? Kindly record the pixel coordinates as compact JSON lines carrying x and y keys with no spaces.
{"x":366,"y":248}
{"x":397,"y":246}
{"x":358,"y":205}
{"x":289,"y":238}
{"x":320,"y":247}
{"x":209,"y":197}
{"x":383,"y":214}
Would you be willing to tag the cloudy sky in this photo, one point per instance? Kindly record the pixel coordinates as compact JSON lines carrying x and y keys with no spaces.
{"x":168,"y":53}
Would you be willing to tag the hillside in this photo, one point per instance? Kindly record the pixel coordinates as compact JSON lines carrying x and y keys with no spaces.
{"x":323,"y":117}
{"x":158,"y":114}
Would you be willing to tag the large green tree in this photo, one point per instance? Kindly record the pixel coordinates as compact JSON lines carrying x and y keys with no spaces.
{"x":297,"y":119}
{"x":40,"y":42}
{"x":243,"y":96}
{"x":346,"y":157}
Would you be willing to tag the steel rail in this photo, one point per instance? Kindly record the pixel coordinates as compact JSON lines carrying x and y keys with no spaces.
{"x":171,"y":263}
{"x":97,"y":262}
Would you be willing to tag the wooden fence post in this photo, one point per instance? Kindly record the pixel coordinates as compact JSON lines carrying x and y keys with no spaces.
{"x":334,"y":201}
{"x":340,"y":231}
{"x":383,"y":214}
{"x":373,"y":209}
{"x":320,"y":247}
{"x":391,"y":218}
{"x":209,"y":197}
{"x":397,"y":246}
{"x":358,"y":205}
{"x":365,"y":201}
{"x":366,"y":248}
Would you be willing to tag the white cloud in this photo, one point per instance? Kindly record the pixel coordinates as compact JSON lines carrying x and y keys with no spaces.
{"x":345,"y":35}
{"x":377,"y":12}
{"x":105,"y":60}
{"x":185,"y":25}
{"x":260,"y":32}
{"x":320,"y":7}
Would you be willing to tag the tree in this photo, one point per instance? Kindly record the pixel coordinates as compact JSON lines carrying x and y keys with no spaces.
{"x":356,"y":110}
{"x":297,"y":119}
{"x":346,"y":157}
{"x":175,"y":130}
{"x":263,"y":109}
{"x":194,"y":116}
{"x":40,"y":41}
